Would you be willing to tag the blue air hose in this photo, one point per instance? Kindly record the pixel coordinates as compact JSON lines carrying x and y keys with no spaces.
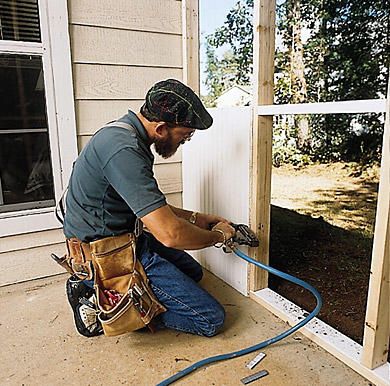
{"x":261,"y":345}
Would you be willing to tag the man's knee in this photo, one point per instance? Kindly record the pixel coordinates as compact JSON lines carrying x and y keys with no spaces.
{"x":213,"y":325}
{"x":197,"y":273}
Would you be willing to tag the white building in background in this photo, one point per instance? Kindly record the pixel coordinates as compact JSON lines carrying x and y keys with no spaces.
{"x":235,"y":96}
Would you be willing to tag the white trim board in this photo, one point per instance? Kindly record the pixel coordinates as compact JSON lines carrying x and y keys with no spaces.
{"x":22,"y":48}
{"x":56,"y":61}
{"x":57,"y":43}
{"x":343,"y":107}
{"x":339,"y":345}
{"x":29,"y":221}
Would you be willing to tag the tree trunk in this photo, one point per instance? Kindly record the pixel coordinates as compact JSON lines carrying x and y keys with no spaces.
{"x":298,"y":81}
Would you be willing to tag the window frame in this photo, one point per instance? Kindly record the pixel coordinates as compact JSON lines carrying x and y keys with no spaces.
{"x":57,"y":68}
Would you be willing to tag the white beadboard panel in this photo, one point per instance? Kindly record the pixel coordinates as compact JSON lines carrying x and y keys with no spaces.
{"x":94,"y":81}
{"x":91,"y":115}
{"x":216,"y":180}
{"x":146,"y":15}
{"x":83,"y":140}
{"x":113,"y":46}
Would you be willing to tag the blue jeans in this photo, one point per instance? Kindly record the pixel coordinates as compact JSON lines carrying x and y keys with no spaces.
{"x":173,"y":275}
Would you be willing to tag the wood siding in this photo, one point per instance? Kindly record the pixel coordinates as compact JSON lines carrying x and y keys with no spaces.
{"x":163,"y":16}
{"x":120,"y":48}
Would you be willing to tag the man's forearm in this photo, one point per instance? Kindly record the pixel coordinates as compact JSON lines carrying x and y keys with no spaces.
{"x":201,"y":220}
{"x":177,"y":232}
{"x":188,"y":236}
{"x":182,"y":213}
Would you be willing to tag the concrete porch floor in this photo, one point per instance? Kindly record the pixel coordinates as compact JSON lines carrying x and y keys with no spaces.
{"x":40,"y":346}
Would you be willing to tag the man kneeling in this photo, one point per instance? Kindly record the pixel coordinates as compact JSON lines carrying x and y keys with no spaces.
{"x":112,"y":188}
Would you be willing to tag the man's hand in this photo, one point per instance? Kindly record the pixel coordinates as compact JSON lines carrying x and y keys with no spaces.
{"x":227,"y":230}
{"x":207,"y":221}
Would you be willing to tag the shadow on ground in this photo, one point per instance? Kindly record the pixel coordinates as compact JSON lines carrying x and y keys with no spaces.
{"x":334,"y":260}
{"x":355,"y":208}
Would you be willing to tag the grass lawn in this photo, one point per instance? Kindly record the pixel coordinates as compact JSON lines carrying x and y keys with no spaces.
{"x":322,"y":225}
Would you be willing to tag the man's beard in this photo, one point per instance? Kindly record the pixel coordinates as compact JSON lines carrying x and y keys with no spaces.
{"x":166,"y":147}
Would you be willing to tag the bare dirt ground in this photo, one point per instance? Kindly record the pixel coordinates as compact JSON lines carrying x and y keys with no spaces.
{"x":322,"y":225}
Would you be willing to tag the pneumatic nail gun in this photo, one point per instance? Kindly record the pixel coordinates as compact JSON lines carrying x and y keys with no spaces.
{"x":244,"y":236}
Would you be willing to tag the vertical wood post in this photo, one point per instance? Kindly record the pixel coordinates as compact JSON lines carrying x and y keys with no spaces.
{"x":377,"y":326}
{"x":263,"y":94}
{"x":190,"y":23}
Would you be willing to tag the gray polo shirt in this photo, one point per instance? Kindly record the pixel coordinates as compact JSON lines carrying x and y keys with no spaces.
{"x":112,"y":183}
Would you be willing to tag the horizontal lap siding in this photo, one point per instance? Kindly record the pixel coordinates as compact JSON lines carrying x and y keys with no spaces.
{"x":162,"y":16}
{"x":93,"y":114}
{"x":120,"y":48}
{"x":124,"y":47}
{"x":102,"y":81}
{"x":83,"y":140}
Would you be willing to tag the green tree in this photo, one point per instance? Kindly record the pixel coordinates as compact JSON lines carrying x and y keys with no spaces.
{"x":293,"y":135}
{"x":345,"y":57}
{"x":355,"y":63}
{"x":235,"y":66}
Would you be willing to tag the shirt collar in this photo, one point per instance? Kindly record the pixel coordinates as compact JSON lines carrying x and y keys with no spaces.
{"x":134,"y":121}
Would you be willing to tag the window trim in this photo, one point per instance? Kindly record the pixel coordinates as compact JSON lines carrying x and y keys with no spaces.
{"x":57,"y":66}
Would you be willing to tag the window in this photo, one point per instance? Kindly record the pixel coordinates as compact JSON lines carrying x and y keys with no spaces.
{"x":26,"y":177}
{"x":19,"y":20}
{"x":37,"y":129}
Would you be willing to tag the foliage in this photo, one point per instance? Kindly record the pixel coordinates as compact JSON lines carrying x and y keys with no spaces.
{"x":346,"y":56}
{"x":285,"y":147}
{"x":235,"y":66}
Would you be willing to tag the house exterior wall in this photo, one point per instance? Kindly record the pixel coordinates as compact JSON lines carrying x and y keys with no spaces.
{"x":236,"y":96}
{"x":119,"y":49}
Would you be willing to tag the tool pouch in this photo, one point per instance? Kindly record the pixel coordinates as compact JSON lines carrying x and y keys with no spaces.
{"x":77,"y":261}
{"x":125,"y":300}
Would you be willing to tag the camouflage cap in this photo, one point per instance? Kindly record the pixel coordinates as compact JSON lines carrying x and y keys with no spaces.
{"x":172,"y":101}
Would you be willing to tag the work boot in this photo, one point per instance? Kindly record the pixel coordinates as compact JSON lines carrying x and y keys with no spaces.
{"x":82,"y":299}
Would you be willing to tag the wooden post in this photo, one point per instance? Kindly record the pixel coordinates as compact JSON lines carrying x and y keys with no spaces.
{"x":190,"y":21}
{"x":263,"y":94}
{"x":377,"y":326}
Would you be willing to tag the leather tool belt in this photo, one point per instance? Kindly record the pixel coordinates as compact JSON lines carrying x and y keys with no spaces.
{"x":124,"y":297}
{"x":78,"y":260}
